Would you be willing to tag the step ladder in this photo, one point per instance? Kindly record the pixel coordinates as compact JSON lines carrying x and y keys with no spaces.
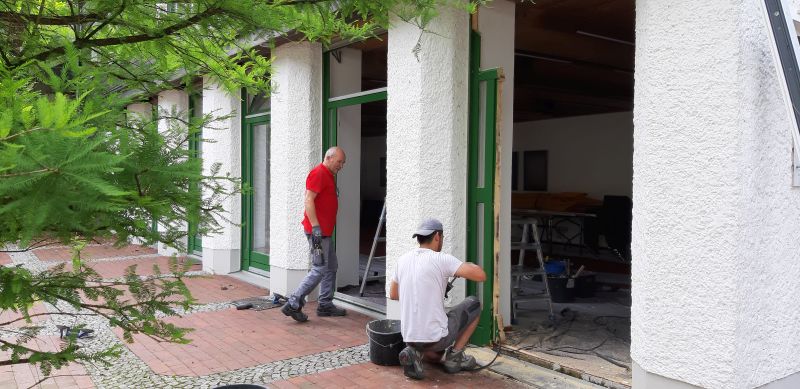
{"x":378,"y":238}
{"x":518,"y":271}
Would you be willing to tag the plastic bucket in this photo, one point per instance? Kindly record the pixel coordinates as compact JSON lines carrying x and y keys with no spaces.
{"x":555,"y":267}
{"x":385,"y":342}
{"x":585,"y":286}
{"x":559,"y":293}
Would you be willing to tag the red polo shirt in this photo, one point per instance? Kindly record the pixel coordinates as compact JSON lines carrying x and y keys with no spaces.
{"x":320,"y":181}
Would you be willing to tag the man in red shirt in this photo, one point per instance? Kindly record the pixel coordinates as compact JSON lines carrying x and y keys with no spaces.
{"x":321,"y":204}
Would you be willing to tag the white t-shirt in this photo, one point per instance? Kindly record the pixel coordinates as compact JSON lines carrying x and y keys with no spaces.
{"x":421,"y":275}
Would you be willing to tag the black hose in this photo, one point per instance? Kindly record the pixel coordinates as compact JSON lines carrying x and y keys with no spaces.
{"x":479,"y":367}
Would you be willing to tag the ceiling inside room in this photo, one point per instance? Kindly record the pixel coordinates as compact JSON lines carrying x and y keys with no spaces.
{"x":573,"y":57}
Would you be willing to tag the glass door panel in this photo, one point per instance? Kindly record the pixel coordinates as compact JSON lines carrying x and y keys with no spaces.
{"x":260,"y":232}
{"x":255,"y":201}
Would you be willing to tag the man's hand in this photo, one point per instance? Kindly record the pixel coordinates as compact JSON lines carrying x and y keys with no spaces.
{"x":316,"y":235}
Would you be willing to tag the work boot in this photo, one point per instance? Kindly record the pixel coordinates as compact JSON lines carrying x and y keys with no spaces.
{"x":330,"y":310}
{"x":295,"y":313}
{"x":456,"y":361}
{"x":411,"y":360}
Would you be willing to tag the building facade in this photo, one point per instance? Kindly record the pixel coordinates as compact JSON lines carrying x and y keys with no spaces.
{"x":714,"y":237}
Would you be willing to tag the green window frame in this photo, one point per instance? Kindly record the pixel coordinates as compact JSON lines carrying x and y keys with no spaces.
{"x":251,"y":259}
{"x":194,"y":244}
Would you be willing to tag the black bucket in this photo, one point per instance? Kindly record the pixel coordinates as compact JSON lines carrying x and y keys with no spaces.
{"x":559,"y":292}
{"x":385,"y":342}
{"x":585,"y":286}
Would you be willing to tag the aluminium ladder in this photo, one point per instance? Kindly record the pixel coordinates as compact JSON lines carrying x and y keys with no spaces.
{"x":378,"y":238}
{"x":520,"y":270}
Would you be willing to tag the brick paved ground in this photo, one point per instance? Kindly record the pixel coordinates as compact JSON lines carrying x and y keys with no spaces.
{"x":368,"y":375}
{"x":73,"y":376}
{"x":228,"y":346}
{"x":92,"y":252}
{"x":144,"y":266}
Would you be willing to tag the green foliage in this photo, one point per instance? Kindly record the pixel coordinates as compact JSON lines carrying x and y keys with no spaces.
{"x":135,"y":304}
{"x":75,"y":163}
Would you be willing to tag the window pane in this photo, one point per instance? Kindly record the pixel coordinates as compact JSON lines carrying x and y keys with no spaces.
{"x":257,"y":104}
{"x":261,"y":188}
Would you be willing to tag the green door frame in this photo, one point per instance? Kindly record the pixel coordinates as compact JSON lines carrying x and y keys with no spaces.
{"x":250,"y":258}
{"x":194,"y":243}
{"x":482,"y":195}
{"x":330,"y":131}
{"x":332,"y":105}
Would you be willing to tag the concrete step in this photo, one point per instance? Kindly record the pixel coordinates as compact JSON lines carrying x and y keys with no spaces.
{"x":528,"y":373}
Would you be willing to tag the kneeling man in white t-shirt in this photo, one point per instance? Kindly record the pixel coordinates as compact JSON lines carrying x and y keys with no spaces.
{"x":420,"y":282}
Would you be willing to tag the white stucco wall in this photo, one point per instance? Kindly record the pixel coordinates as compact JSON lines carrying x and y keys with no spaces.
{"x":768,"y":240}
{"x":496,"y":26}
{"x":172,"y":103}
{"x":590,"y":154}
{"x":140,"y":111}
{"x":716,"y":257}
{"x":221,"y":252}
{"x":296,"y":148}
{"x":427,"y":134}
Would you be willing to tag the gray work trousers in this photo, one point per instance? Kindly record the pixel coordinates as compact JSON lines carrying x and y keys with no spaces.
{"x":323,"y":275}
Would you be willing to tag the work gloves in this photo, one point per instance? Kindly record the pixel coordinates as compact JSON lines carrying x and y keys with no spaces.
{"x":316,"y":235}
{"x":317,"y":257}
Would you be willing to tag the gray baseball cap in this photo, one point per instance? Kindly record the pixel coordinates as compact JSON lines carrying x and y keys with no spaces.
{"x":427,"y":227}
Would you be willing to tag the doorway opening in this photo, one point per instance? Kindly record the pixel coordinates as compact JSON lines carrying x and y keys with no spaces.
{"x":572,"y":169}
{"x":194,"y":245}
{"x":354,"y":79}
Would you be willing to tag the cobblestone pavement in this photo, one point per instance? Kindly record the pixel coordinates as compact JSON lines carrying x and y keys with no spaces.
{"x":228,"y":346}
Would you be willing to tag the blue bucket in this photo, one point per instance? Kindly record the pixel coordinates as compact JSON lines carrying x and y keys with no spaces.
{"x":555,"y":267}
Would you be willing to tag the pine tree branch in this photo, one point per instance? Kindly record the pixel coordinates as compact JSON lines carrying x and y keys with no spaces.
{"x":27,"y":173}
{"x":14,"y":345}
{"x":43,"y":314}
{"x":54,"y":376}
{"x":138,"y":184}
{"x":12,"y":136}
{"x":107,"y":20}
{"x":102,"y":42}
{"x":9,"y":362}
{"x":6,"y":60}
{"x":39,"y":19}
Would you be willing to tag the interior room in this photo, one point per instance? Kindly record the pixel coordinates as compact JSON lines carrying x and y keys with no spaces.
{"x":571,"y":185}
{"x":357,"y":112}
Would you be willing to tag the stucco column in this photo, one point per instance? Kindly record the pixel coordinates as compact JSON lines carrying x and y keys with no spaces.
{"x":296,"y":148}
{"x":716,"y":257}
{"x":139,"y":113}
{"x":496,"y":26}
{"x":172,"y":103}
{"x":426,"y":159}
{"x":222,"y":252}
{"x":346,"y":79}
